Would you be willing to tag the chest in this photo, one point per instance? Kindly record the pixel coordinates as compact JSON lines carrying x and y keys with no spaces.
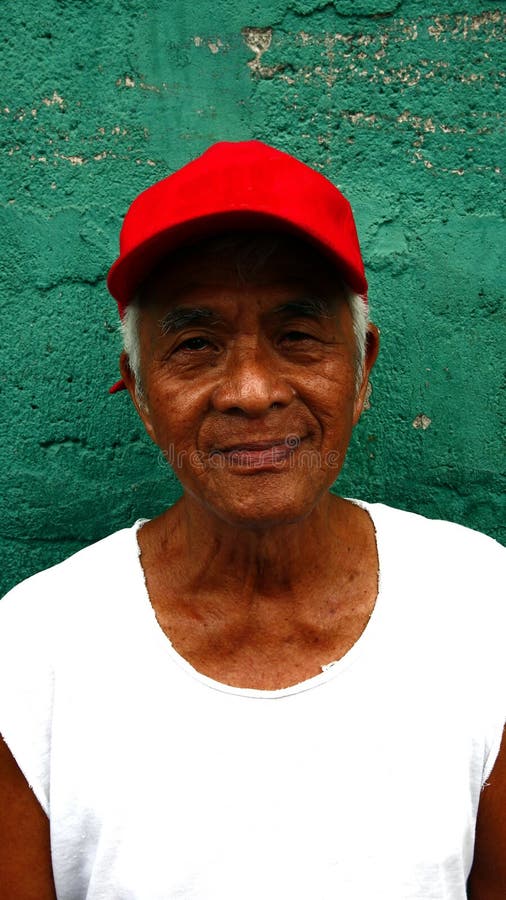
{"x":270,"y":651}
{"x":324,"y":793}
{"x":270,"y":643}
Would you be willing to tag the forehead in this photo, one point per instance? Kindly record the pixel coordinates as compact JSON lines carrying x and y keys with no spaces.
{"x":272,"y":261}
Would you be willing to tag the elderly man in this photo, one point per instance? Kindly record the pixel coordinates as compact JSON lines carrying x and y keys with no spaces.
{"x":254,"y":695}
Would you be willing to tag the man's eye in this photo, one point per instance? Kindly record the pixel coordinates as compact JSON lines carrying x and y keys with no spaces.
{"x":196,"y":343}
{"x":297,"y":336}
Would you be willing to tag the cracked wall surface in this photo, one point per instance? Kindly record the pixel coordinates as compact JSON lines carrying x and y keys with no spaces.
{"x":400,"y":103}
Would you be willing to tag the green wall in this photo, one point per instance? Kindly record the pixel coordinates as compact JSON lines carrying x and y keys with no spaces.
{"x":396,"y":100}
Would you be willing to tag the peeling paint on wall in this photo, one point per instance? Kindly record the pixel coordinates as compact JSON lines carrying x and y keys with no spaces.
{"x":259,"y":40}
{"x":421,"y":421}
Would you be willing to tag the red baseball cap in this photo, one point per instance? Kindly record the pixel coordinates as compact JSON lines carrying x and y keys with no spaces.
{"x":234,"y":185}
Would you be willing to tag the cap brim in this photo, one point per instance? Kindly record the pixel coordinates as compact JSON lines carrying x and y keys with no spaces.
{"x":131,"y":270}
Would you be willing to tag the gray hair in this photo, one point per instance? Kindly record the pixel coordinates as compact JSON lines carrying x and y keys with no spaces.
{"x":130,"y":332}
{"x":131,"y":342}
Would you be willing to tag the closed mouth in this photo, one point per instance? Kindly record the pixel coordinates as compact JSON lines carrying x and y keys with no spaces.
{"x":257,"y":454}
{"x":253,"y":446}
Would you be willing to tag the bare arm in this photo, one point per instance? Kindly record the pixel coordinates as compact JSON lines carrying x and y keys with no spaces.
{"x":25,"y":858}
{"x":487,"y":880}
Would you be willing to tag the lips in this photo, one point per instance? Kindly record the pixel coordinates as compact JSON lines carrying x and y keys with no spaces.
{"x":257,"y":454}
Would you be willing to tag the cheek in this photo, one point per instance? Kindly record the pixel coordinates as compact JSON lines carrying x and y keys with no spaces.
{"x":331,"y":397}
{"x":175,"y":412}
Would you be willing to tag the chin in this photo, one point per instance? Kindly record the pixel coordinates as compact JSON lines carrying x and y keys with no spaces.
{"x":263,"y":521}
{"x":263,"y":510}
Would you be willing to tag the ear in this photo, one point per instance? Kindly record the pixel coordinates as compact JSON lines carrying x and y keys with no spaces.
{"x":131,"y":386}
{"x":372,"y":345}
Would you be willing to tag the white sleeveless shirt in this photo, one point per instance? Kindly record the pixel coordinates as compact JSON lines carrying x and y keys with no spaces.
{"x":361,"y":783}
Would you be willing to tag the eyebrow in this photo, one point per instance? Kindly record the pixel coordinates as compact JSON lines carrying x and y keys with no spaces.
{"x":313,"y":307}
{"x":183,"y":316}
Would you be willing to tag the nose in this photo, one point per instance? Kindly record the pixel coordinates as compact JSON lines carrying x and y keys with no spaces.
{"x":252,"y":383}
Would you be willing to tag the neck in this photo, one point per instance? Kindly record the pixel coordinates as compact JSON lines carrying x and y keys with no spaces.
{"x":261,"y":608}
{"x":209,"y":554}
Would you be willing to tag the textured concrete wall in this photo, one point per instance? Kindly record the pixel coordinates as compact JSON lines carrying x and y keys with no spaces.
{"x":398,"y":101}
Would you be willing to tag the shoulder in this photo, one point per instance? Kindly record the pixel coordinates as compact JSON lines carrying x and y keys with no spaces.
{"x":52,"y":626}
{"x":437,"y":546}
{"x":398,"y":521}
{"x":446,"y":601}
{"x":446,"y":578}
{"x":85,"y":577}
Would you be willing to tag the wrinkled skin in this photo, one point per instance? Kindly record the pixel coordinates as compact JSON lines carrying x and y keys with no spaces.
{"x":221,"y":391}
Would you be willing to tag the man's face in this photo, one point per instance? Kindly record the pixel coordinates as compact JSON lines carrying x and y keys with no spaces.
{"x":249,"y":379}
